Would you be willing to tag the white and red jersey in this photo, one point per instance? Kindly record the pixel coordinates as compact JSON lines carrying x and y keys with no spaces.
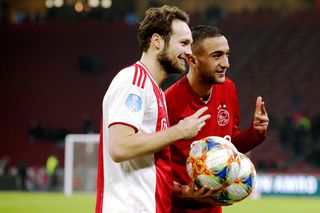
{"x":144,"y":183}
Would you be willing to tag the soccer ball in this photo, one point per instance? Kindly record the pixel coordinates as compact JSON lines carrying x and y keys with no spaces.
{"x":243,"y":185}
{"x":213,"y":162}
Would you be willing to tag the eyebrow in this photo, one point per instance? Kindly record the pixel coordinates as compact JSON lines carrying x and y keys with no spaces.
{"x":219,"y":52}
{"x":188,"y":40}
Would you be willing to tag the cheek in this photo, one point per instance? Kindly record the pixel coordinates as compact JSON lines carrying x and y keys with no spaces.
{"x":207,"y":62}
{"x":178,"y":49}
{"x":171,"y":52}
{"x":209,"y":66}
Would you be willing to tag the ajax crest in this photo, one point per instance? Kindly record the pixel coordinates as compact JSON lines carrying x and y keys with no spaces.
{"x":222,"y":115}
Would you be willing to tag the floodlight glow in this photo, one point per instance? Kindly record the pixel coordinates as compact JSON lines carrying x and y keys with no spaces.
{"x":78,"y":7}
{"x":93,"y":3}
{"x":49,"y":3}
{"x":106,"y":3}
{"x":58,"y":3}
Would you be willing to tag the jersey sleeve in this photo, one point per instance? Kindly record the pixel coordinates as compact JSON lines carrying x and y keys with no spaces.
{"x":249,"y":138}
{"x":125,"y":102}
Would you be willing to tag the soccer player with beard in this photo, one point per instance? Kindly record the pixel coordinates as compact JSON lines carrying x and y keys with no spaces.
{"x":134,"y":163}
{"x":206,"y":84}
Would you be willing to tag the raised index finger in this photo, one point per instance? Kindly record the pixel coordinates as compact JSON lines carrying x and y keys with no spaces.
{"x":258,"y":105}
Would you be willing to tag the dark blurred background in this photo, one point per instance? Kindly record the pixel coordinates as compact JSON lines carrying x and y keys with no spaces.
{"x":59,"y":56}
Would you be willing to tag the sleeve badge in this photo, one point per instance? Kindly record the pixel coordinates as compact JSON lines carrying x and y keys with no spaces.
{"x":133,"y":102}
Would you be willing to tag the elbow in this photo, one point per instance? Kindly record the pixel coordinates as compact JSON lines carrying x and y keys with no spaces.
{"x":117,"y":159}
{"x":117,"y":155}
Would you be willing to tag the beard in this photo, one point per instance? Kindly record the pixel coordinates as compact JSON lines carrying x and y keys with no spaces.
{"x":170,"y":65}
{"x":208,"y":76}
{"x":209,"y":79}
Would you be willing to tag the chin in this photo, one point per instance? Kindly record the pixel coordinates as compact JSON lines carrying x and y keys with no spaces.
{"x":180,"y":69}
{"x":220,"y":80}
{"x":183,"y":69}
{"x":175,"y":70}
{"x":182,"y":66}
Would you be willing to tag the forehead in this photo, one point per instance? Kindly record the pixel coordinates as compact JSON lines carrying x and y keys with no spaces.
{"x":180,"y":31}
{"x":213,"y":44}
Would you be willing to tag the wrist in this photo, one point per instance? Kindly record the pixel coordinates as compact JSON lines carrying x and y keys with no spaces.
{"x":180,"y":130}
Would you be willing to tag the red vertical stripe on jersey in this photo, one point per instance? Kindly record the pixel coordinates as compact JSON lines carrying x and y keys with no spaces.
{"x":135,"y":75}
{"x":140,"y":77}
{"x":100,"y":175}
{"x":144,"y":81}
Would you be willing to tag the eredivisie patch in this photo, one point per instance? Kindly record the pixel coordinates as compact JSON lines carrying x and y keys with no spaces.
{"x":133,"y":102}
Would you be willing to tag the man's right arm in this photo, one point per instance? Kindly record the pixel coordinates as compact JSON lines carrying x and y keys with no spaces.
{"x":125,"y":143}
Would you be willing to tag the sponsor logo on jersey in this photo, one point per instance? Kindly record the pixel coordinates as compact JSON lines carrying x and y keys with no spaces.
{"x":133,"y":102}
{"x":222,"y":115}
{"x":164,"y":124}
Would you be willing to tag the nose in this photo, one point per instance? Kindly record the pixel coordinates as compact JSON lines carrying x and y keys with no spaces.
{"x":225,"y":62}
{"x":188,"y":50}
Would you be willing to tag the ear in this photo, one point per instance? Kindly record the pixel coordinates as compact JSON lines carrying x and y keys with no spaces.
{"x":157,"y":41}
{"x":192,"y":60}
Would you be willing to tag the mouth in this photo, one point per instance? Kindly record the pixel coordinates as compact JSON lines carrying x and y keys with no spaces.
{"x":221,"y":73}
{"x":185,"y":56}
{"x":183,"y":59}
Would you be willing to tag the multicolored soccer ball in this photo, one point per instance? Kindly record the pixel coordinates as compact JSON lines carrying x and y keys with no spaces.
{"x":213,"y":162}
{"x":243,"y":184}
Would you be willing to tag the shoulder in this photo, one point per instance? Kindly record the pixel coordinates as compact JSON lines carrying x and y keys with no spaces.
{"x":176,"y":88}
{"x":126,"y":74}
{"x":130,"y":76}
{"x":229,"y":84}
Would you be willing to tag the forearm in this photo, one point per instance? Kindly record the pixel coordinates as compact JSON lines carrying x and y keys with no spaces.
{"x":125,"y":143}
{"x":136,"y":144}
{"x":248,"y":139}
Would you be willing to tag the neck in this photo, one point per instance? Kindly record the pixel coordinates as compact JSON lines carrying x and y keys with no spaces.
{"x":201,"y":88}
{"x":155,"y":69}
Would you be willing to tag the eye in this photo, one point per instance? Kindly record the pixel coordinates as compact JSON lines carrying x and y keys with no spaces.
{"x":185,"y":43}
{"x":215,"y":56}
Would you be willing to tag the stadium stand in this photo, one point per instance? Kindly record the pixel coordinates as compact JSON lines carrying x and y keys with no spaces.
{"x":271,"y":55}
{"x":276,"y":58}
